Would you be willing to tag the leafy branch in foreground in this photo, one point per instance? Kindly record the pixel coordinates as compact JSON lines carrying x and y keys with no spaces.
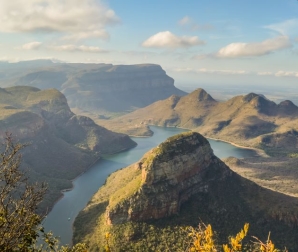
{"x":202,"y":239}
{"x":20,"y":225}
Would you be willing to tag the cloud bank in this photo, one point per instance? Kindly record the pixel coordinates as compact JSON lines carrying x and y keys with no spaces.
{"x":280,"y":73}
{"x":236,"y":50}
{"x":167,"y":39}
{"x":78,"y":18}
{"x":211,"y":71}
{"x":81,"y":48}
{"x":32,"y":45}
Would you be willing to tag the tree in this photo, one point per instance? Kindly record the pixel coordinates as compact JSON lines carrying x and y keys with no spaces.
{"x":20,"y":225}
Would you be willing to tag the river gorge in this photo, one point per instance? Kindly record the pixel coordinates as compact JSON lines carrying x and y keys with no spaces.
{"x":61,"y":218}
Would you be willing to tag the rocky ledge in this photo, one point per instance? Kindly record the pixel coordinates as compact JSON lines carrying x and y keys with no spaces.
{"x":168,"y":175}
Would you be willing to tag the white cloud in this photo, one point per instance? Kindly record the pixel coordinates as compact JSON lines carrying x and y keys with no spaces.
{"x":9,"y":59}
{"x":84,"y":18}
{"x":211,"y":71}
{"x":264,"y":73}
{"x":234,"y":72}
{"x":236,"y":50}
{"x":32,"y":45}
{"x":215,"y":71}
{"x":184,"y":21}
{"x":284,"y":28}
{"x":189,"y":24}
{"x":81,"y":48}
{"x":286,"y":74}
{"x":167,"y":39}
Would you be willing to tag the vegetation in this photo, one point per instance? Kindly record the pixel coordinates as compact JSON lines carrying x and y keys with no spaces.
{"x":203,"y":239}
{"x":227,"y":205}
{"x":249,"y":120}
{"x":20,"y":226}
{"x":275,"y":173}
{"x":63,"y":145}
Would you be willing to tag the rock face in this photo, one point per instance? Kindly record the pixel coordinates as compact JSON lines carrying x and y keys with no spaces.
{"x":178,"y":184}
{"x":98,"y":88}
{"x":181,"y":167}
{"x":62,"y":144}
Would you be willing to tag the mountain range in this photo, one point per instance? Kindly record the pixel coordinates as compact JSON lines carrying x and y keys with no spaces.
{"x":248,"y":120}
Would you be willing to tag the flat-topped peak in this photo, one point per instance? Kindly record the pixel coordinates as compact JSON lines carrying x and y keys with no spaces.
{"x":183,"y":143}
{"x":165,"y":178}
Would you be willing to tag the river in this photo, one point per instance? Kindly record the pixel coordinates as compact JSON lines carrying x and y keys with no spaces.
{"x":60,"y":219}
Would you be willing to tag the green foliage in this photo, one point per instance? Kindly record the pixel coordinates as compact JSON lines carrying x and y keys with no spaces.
{"x":20,"y":225}
{"x":200,"y":239}
{"x":293,"y":155}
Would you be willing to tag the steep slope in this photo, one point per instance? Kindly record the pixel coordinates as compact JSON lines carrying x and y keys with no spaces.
{"x":249,"y":120}
{"x":179,"y":183}
{"x":98,"y":89}
{"x":61,"y":144}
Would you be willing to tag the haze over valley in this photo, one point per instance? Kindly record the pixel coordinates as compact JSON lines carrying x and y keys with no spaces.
{"x":157,"y":126}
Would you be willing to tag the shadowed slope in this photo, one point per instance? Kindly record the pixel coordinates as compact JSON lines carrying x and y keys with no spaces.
{"x":179,"y":183}
{"x":250,"y":120}
{"x":62,"y":145}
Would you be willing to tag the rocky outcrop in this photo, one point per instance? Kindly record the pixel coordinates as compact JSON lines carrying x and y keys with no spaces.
{"x":177,"y":184}
{"x":171,"y":173}
{"x":62,"y":144}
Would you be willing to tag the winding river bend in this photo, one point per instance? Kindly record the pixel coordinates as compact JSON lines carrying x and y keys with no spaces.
{"x":61,"y":217}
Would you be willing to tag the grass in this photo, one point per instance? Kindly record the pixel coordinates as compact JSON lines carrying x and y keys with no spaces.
{"x":119,"y":186}
{"x":126,"y":191}
{"x":230,"y":202}
{"x":55,"y":154}
{"x":125,"y":180}
{"x":236,"y":120}
{"x":277,"y":174}
{"x":226,"y":207}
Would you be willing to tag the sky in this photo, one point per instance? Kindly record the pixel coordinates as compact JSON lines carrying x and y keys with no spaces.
{"x":223,"y":42}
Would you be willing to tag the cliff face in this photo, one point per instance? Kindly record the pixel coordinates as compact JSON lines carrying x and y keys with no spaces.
{"x":120,"y":88}
{"x":99,"y":88}
{"x":173,"y":172}
{"x":62,"y":144}
{"x":177,"y":184}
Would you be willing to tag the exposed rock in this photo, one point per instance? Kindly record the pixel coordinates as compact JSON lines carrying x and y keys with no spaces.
{"x":62,"y":144}
{"x":174,"y":171}
{"x":178,"y":184}
{"x":97,"y":88}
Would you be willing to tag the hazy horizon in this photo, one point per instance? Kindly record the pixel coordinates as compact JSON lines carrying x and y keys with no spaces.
{"x":225,"y":42}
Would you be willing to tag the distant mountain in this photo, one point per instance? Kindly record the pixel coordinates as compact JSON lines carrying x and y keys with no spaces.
{"x":61,"y":144}
{"x":98,"y":89}
{"x":249,"y":120}
{"x":177,"y":184}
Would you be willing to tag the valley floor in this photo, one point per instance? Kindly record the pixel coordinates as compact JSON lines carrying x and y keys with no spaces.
{"x":277,"y":174}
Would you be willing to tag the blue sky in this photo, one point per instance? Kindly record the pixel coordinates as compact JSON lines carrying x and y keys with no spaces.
{"x":219,"y":42}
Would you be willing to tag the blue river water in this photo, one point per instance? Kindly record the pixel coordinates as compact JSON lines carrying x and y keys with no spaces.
{"x":61,"y":218}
